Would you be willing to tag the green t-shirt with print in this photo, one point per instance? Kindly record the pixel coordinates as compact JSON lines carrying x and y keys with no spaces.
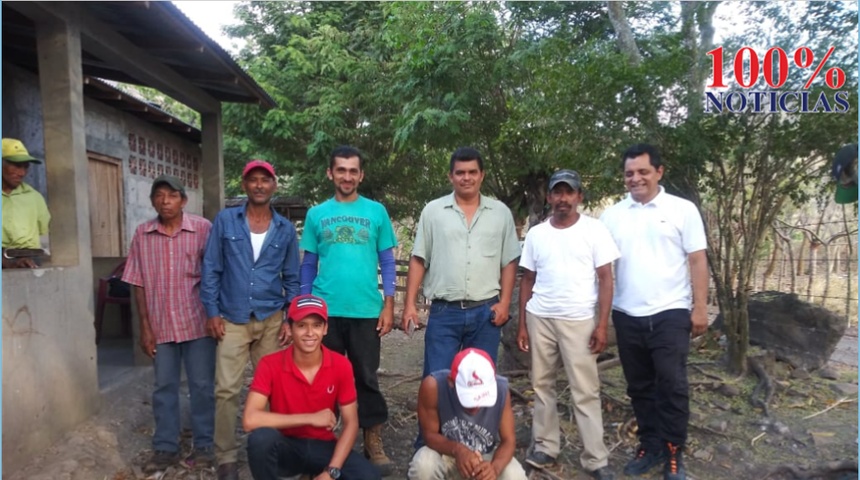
{"x":347,"y":237}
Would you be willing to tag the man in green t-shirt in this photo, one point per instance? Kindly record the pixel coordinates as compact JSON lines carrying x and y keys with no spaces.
{"x":346,"y":240}
{"x":25,"y":214}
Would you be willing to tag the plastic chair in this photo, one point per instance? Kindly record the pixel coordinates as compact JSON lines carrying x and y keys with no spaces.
{"x":103,"y":298}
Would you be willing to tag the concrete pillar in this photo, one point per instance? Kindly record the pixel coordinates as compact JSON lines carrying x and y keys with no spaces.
{"x":61,"y":86}
{"x":212,"y":164}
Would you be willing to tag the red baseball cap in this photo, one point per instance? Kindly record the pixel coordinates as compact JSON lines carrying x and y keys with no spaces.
{"x":304,"y":305}
{"x":474,"y":377}
{"x":258,"y":164}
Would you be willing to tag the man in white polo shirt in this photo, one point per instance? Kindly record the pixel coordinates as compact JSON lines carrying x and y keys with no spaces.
{"x":567,"y":270}
{"x":659,"y":236}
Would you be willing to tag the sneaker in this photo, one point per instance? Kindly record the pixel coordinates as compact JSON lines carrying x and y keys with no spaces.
{"x":200,"y":458}
{"x":602,"y":473}
{"x":539,"y":460}
{"x":160,"y":461}
{"x":644,"y":461}
{"x":674,"y":467}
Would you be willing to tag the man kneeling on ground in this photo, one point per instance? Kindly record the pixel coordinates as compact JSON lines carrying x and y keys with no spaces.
{"x":467,"y":423}
{"x":302,"y":384}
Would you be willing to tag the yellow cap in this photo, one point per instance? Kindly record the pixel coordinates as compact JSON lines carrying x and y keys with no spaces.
{"x":14,"y":151}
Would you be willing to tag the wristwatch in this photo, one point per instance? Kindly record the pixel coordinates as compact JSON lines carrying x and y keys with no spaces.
{"x":333,"y":472}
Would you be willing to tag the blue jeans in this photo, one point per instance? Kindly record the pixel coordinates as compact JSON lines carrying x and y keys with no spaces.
{"x":451,"y":329}
{"x":198,"y":356}
{"x":271,"y":455}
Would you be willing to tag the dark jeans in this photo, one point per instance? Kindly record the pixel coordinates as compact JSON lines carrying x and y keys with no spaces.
{"x":272,"y":455}
{"x":358,"y":339}
{"x":653,"y":353}
{"x":451,"y":329}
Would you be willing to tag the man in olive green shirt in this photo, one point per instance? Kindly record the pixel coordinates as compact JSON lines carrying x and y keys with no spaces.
{"x":25,"y":214}
{"x":465,"y":252}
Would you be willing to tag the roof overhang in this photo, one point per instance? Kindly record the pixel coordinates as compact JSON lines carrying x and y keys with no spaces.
{"x":143,"y":43}
{"x":103,"y":92}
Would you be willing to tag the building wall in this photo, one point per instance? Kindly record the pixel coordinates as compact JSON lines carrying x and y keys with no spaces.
{"x":50,"y":379}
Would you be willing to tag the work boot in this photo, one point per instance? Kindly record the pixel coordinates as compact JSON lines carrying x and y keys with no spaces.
{"x":374,"y":452}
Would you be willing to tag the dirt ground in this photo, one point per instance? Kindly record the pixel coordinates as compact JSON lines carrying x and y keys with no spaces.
{"x":812,"y":425}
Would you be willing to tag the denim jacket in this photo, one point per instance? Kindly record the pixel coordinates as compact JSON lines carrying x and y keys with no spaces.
{"x":234,"y":286}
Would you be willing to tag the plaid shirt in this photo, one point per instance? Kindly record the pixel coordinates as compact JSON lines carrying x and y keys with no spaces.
{"x":168,"y":268}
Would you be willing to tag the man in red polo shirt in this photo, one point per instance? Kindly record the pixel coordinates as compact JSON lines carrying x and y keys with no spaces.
{"x":302,"y":385}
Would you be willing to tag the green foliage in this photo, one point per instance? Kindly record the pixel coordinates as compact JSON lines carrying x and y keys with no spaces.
{"x":163,"y":102}
{"x":535,"y":86}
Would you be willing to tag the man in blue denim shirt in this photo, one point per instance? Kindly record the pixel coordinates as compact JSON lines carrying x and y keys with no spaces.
{"x":250,"y":275}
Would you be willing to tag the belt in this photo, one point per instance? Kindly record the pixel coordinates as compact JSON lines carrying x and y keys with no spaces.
{"x":466,"y":304}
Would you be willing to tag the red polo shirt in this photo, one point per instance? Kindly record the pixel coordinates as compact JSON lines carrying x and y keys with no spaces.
{"x":289,"y":392}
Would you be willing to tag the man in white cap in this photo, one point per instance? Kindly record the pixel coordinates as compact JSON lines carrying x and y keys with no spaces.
{"x":467,"y":423}
{"x":25,"y":214}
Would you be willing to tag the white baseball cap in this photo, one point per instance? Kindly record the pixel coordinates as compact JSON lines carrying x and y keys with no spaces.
{"x":474,"y":378}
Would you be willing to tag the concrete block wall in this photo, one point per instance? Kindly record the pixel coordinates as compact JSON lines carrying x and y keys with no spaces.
{"x":50,"y":374}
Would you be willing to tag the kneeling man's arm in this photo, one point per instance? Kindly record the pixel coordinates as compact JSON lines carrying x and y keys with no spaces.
{"x":256,"y":416}
{"x":349,"y":415}
{"x":508,"y":438}
{"x":428,"y":418}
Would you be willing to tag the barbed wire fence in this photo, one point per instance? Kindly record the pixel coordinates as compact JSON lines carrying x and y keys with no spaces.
{"x":825,"y":275}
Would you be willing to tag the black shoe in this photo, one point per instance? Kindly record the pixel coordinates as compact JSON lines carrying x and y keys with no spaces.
{"x":539,"y":460}
{"x":674,"y":467}
{"x":228,"y":471}
{"x":200,"y":459}
{"x":645,"y":460}
{"x":602,"y":473}
{"x":160,"y":461}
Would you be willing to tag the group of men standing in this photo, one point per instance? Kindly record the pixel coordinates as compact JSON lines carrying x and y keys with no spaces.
{"x":213,"y":296}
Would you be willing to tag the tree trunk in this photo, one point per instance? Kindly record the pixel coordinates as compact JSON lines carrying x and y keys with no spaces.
{"x":736,"y":318}
{"x":826,"y":275}
{"x":781,"y":267}
{"x":771,"y":265}
{"x":625,"y":40}
{"x":512,"y":358}
{"x":800,"y":252}
{"x":812,"y":268}
{"x":792,"y":273}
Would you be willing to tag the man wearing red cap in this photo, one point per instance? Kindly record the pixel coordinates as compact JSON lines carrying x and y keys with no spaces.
{"x":250,"y":274}
{"x":467,"y":423}
{"x":302,"y":385}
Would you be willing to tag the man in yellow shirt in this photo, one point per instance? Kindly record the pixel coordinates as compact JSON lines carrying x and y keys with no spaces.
{"x":25,"y":214}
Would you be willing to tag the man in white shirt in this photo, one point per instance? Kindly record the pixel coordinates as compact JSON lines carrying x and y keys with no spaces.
{"x":567,"y":270}
{"x":662,"y":242}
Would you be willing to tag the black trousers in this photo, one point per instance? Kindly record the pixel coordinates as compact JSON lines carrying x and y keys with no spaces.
{"x":653,"y":353}
{"x":272,"y":456}
{"x":358,"y":339}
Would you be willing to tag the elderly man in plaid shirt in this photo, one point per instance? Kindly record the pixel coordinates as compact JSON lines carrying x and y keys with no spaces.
{"x":164,"y":265}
